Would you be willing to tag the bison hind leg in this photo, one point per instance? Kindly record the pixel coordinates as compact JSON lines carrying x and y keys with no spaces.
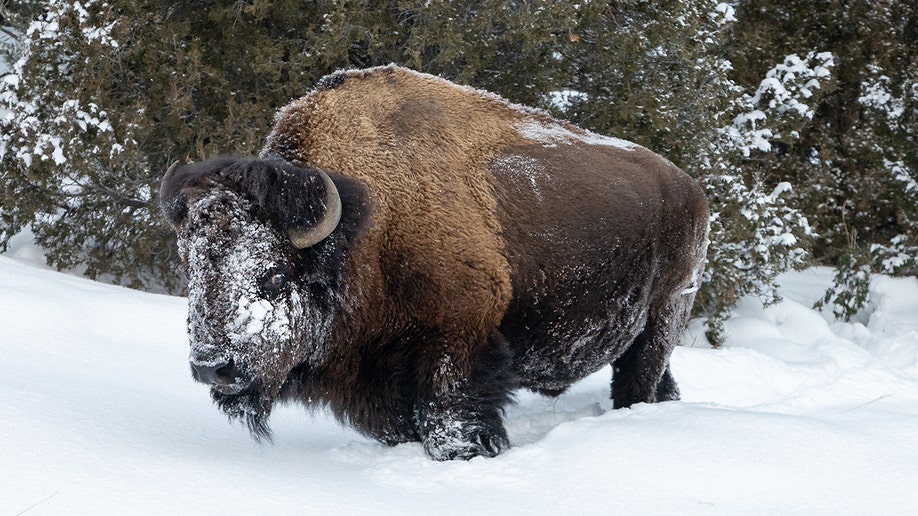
{"x":642,"y":373}
{"x":667,"y":390}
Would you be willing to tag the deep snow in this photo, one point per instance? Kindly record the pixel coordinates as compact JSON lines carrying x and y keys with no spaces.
{"x":798,"y":414}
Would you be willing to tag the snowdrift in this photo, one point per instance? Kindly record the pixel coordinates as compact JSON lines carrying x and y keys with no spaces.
{"x":798,"y":414}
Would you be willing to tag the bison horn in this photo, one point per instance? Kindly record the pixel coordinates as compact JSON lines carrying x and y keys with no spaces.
{"x":303,"y":237}
{"x":172,"y":167}
{"x":170,"y":170}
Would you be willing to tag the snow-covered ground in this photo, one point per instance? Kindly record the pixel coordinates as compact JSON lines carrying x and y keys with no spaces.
{"x":797,"y":415}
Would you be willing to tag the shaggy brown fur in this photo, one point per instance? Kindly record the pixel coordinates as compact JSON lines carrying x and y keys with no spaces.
{"x":498,"y":248}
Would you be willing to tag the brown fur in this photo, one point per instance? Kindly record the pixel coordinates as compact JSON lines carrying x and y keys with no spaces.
{"x":486,"y":258}
{"x":420,"y":146}
{"x":425,"y":149}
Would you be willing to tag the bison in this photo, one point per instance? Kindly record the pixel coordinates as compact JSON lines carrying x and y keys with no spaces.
{"x":407,"y":252}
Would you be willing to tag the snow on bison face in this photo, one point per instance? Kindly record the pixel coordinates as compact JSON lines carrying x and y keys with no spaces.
{"x":249,"y":322}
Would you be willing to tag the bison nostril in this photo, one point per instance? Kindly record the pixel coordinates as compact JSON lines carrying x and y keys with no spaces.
{"x":222,"y":373}
{"x":227,"y":374}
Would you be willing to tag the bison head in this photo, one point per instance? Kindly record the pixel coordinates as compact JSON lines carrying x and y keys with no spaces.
{"x":245,"y":231}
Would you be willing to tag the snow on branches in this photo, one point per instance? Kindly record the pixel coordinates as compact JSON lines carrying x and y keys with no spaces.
{"x":782,"y":95}
{"x":755,"y":233}
{"x":41,"y":123}
{"x":877,"y":94}
{"x":55,"y":135}
{"x":70,"y":168}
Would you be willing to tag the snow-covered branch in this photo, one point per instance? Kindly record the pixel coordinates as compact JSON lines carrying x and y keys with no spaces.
{"x":783,"y":94}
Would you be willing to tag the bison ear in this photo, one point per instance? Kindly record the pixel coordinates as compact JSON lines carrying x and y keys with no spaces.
{"x":179,"y":181}
{"x":172,"y":201}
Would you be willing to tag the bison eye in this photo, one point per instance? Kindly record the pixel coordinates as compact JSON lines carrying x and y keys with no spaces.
{"x":275,"y":280}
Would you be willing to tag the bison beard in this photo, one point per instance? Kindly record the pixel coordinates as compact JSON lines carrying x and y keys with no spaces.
{"x":248,"y":406}
{"x":407,"y":253}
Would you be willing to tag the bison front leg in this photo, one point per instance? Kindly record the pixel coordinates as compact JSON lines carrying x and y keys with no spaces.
{"x":459,"y":414}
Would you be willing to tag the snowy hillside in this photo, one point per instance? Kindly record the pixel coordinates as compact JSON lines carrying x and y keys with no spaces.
{"x":797,"y":415}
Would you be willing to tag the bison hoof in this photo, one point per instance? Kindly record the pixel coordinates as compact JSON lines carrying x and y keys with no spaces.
{"x":479,"y":443}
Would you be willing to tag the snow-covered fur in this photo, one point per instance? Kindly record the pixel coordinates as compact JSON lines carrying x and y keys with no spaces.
{"x":482,"y":247}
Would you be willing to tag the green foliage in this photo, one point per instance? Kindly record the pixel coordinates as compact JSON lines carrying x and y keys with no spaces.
{"x":852,"y":285}
{"x":798,"y":117}
{"x":651,"y":72}
{"x":854,"y":164}
{"x":105,"y":95}
{"x":70,"y":164}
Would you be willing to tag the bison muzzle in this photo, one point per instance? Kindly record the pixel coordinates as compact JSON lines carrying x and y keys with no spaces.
{"x":408,"y":252}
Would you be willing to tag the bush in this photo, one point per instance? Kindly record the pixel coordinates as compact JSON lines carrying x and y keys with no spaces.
{"x":854,"y":163}
{"x":801,"y":129}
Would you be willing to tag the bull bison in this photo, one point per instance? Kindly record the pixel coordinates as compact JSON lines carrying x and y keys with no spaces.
{"x":407,"y":252}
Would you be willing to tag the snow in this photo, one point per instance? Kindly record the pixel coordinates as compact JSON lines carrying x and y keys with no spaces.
{"x":784,"y":90}
{"x":551,"y":134}
{"x":725,"y":10}
{"x":565,"y":98}
{"x":798,"y":414}
{"x":876,"y":95}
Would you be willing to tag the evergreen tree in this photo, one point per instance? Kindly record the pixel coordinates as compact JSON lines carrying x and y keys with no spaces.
{"x":853,"y":164}
{"x":790,"y":114}
{"x":655,"y":72}
{"x":103,"y":96}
